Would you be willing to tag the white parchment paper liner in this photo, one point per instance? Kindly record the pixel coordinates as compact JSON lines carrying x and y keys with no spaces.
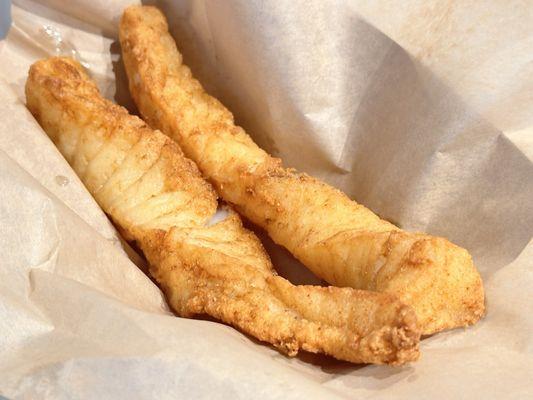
{"x":421,"y":111}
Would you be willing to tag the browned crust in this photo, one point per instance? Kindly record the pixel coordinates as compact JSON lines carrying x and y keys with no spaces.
{"x":339,"y":240}
{"x":159,"y":199}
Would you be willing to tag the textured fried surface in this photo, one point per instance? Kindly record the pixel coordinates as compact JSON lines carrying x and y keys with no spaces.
{"x":339,"y":240}
{"x":158,"y":198}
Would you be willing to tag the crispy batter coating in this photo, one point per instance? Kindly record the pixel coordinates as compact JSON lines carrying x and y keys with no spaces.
{"x":159,"y":199}
{"x":339,"y":240}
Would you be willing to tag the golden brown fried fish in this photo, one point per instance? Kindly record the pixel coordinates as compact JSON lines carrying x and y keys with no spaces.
{"x":158,"y":198}
{"x":339,"y":240}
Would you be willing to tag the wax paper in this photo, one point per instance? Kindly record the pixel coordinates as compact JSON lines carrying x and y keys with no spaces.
{"x":421,"y":110}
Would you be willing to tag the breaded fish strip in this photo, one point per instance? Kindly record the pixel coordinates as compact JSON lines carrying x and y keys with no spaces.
{"x":339,"y":240}
{"x":159,"y":199}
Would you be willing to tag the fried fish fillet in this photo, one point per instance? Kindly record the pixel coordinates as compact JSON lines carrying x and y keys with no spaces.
{"x":158,"y":198}
{"x":339,"y":240}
